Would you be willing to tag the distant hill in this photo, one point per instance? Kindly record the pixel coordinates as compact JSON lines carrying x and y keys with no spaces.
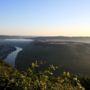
{"x":5,"y":50}
{"x":74,"y":57}
{"x":44,"y":37}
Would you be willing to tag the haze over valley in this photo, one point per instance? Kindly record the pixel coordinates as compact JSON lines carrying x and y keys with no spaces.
{"x":44,"y":44}
{"x":69,"y":53}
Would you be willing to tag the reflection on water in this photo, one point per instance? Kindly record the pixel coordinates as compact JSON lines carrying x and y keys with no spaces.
{"x":12,"y":56}
{"x":18,"y":40}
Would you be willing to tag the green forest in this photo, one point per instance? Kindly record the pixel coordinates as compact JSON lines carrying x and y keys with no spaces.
{"x":35,"y":78}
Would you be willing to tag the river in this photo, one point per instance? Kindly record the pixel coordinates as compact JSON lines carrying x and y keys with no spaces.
{"x":12,"y":56}
{"x":10,"y":59}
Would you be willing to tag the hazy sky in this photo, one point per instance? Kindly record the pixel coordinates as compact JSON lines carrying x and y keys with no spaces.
{"x":45,"y":17}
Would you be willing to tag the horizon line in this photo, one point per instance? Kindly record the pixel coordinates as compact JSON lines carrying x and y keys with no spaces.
{"x":42,"y":36}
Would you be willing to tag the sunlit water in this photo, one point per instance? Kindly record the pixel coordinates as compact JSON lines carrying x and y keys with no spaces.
{"x":12,"y":56}
{"x":18,"y":40}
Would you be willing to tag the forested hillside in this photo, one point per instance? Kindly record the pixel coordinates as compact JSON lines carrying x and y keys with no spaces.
{"x":34,"y":79}
{"x":69,"y":56}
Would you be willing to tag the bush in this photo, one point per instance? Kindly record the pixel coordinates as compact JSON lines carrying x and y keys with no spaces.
{"x":36,"y":79}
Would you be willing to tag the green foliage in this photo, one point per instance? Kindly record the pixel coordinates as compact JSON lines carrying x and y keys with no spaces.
{"x":85,"y":81}
{"x":36,"y":79}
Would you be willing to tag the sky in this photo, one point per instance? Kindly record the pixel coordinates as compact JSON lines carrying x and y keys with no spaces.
{"x":45,"y":17}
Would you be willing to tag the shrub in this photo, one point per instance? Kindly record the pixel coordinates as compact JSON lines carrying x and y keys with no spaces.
{"x":36,"y":79}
